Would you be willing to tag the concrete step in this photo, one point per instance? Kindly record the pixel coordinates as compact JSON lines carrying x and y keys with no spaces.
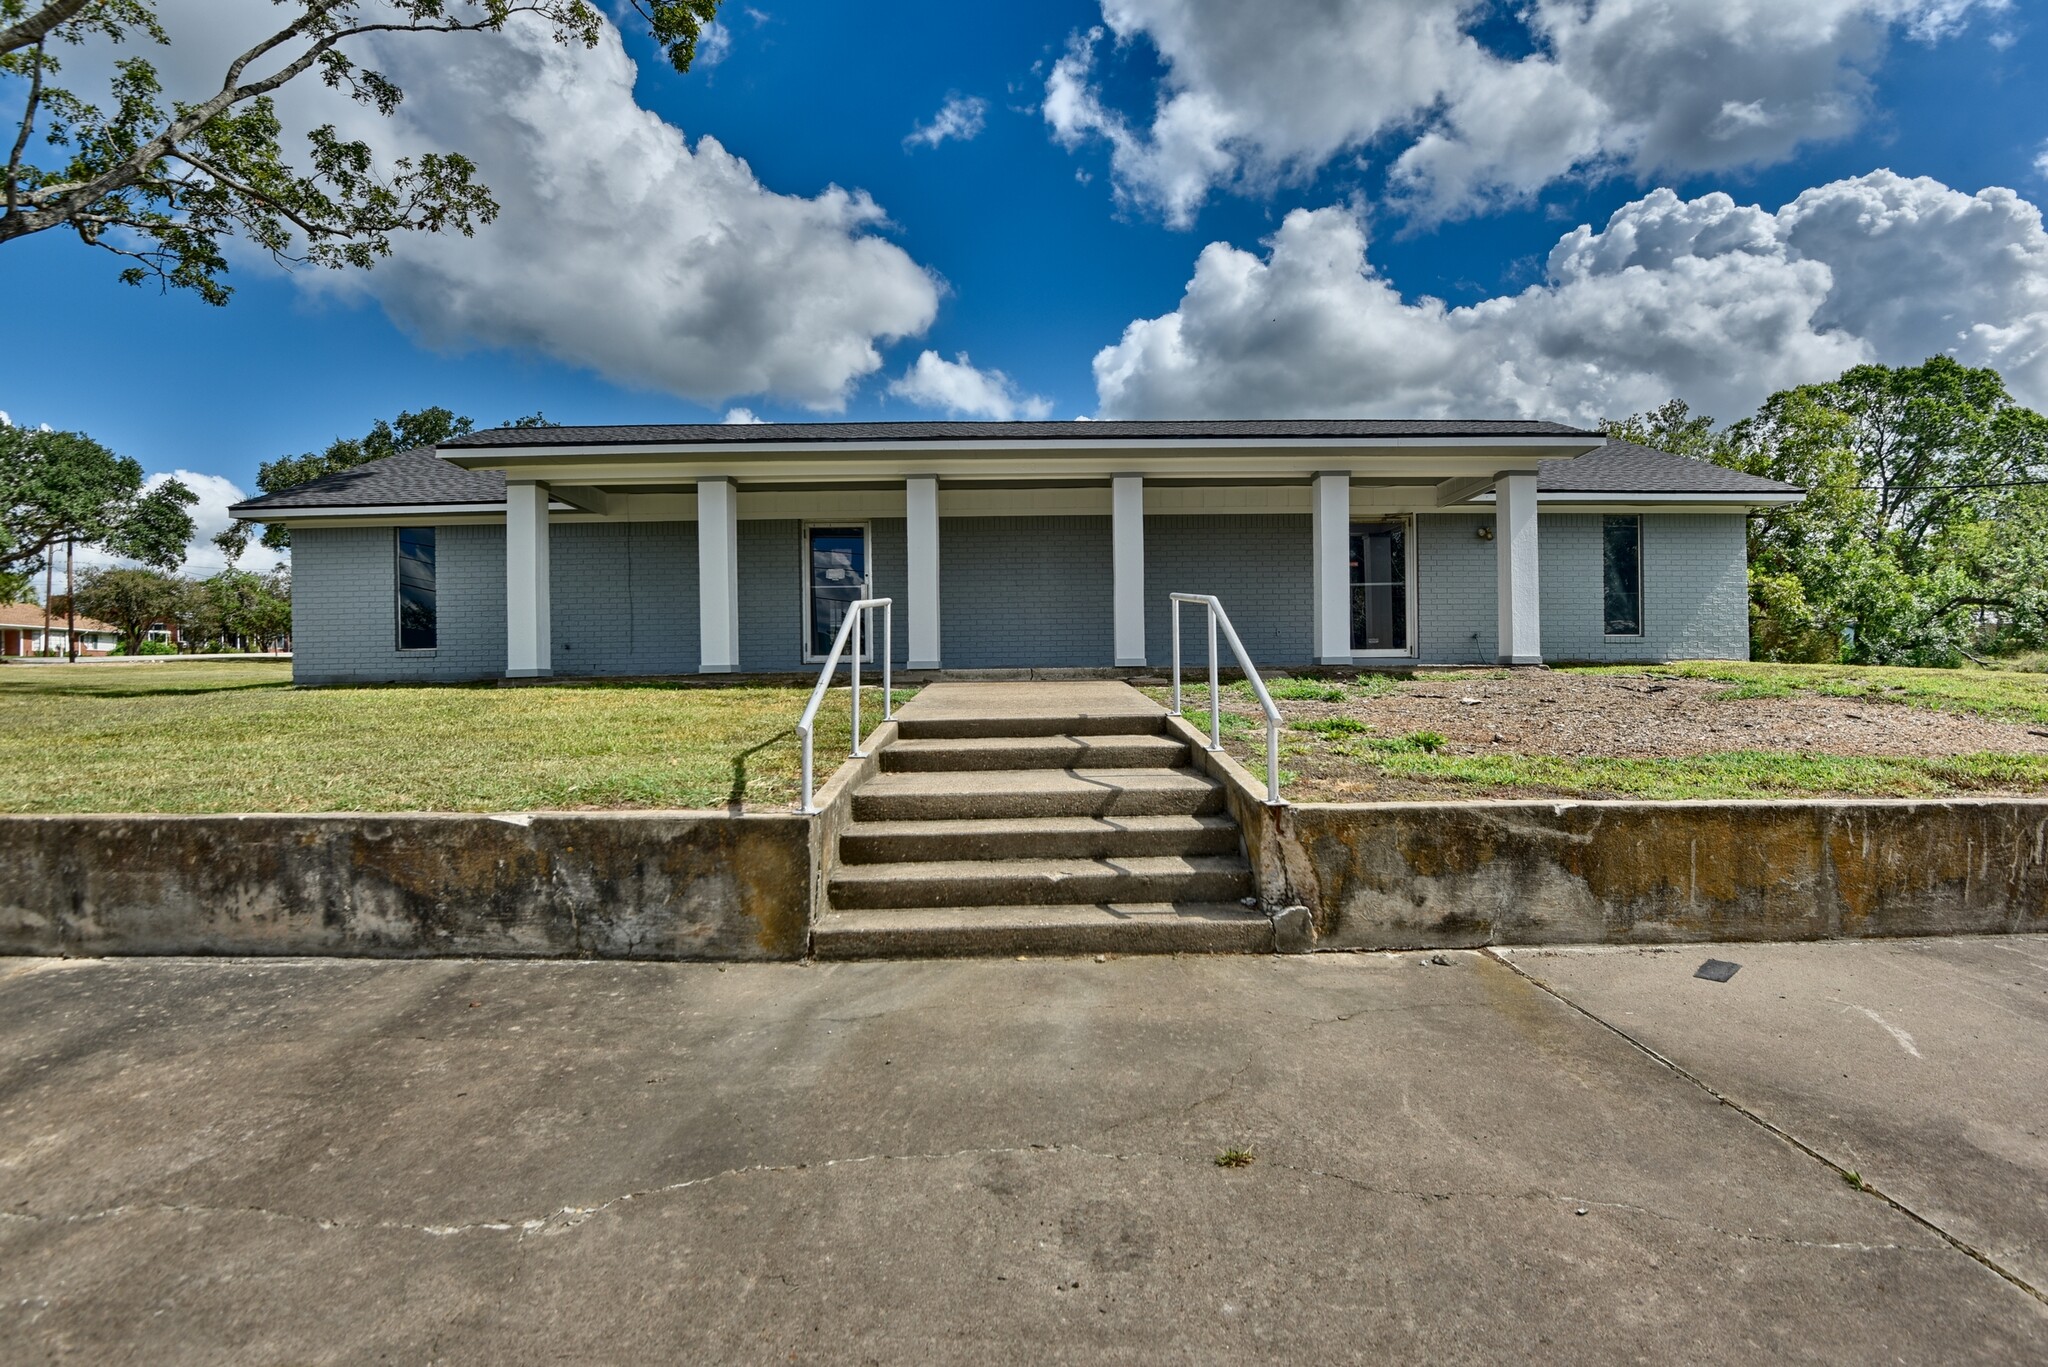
{"x":912,"y":726}
{"x":1103,"y":928}
{"x":1037,"y":792}
{"x":1040,"y":882}
{"x":1046,"y":837}
{"x":984,"y":753}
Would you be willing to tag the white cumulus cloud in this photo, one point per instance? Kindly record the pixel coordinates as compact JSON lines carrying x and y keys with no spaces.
{"x":622,"y":247}
{"x":1253,"y":95}
{"x":216,"y":495}
{"x":961,"y":117}
{"x":960,"y":388}
{"x":1704,"y":299}
{"x":742,"y":417}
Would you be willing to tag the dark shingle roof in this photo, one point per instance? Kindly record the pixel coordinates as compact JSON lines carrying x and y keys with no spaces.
{"x":421,"y":478}
{"x":705,"y":433}
{"x":410,"y":479}
{"x":1622,"y":467}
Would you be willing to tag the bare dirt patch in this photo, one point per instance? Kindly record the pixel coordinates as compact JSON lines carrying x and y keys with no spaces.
{"x":1541,"y":712}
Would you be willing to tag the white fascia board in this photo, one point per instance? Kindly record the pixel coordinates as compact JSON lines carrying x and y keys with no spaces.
{"x":479,"y":511}
{"x":1689,"y":502}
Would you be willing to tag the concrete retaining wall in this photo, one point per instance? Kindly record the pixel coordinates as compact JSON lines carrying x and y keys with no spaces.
{"x":1441,"y":874}
{"x":612,"y":885}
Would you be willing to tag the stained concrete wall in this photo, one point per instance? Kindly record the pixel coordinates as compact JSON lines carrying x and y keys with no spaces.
{"x":1440,"y":874}
{"x":622,"y":885}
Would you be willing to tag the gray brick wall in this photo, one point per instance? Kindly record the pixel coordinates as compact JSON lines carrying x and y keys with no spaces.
{"x":1025,"y":591}
{"x":1695,"y":589}
{"x":1258,"y":564}
{"x":624,"y":597}
{"x":1457,"y":617}
{"x":345,"y":606}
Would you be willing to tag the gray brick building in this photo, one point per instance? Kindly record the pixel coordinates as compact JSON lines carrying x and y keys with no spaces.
{"x":678,"y":550}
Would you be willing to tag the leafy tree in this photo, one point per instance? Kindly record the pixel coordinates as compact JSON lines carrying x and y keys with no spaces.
{"x":162,"y":186}
{"x":236,"y":607}
{"x":64,"y":486}
{"x":130,"y":601}
{"x":1924,"y":533}
{"x":428,"y":427}
{"x":18,"y":586}
{"x":1672,"y":427}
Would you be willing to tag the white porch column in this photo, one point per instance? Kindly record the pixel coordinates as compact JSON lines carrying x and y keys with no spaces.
{"x":529,"y":632}
{"x":1330,"y":539}
{"x":718,"y":576}
{"x":921,"y":535}
{"x":1514,"y":549}
{"x":1127,"y":562}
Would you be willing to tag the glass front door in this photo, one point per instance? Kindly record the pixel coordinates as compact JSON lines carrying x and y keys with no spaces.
{"x":836,"y":561}
{"x":1379,"y":587}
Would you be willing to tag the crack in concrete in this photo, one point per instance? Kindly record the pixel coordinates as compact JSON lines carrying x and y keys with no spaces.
{"x":1762,"y":1122}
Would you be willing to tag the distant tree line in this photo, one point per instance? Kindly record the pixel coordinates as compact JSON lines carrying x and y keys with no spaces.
{"x":1923,"y":538}
{"x":234,"y":610}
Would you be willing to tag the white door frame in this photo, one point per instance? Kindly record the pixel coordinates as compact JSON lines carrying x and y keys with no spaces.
{"x":867,"y":555}
{"x":1408,"y":521}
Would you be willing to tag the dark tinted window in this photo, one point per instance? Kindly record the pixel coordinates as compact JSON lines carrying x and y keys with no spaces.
{"x":1623,"y":562}
{"x":418,"y":618}
{"x":839,"y":568}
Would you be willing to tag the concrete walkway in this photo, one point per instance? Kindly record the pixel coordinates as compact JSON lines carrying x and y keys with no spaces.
{"x":315,"y":1161}
{"x":1006,"y":705}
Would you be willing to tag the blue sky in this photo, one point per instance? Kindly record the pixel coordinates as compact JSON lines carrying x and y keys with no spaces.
{"x":1050,"y":237}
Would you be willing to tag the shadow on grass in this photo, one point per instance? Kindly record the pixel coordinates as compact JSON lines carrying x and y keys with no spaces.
{"x":736,"y":799}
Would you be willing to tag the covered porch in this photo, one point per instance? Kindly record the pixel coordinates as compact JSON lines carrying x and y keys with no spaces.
{"x":736,"y":552}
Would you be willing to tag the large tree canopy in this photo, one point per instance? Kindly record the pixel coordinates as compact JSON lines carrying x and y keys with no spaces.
{"x":162,"y":185}
{"x":1924,"y":534}
{"x":64,"y":486}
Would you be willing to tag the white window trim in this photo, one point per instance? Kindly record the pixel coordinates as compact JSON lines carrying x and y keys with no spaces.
{"x":867,"y":534}
{"x":1405,"y":652}
{"x":1642,"y":585}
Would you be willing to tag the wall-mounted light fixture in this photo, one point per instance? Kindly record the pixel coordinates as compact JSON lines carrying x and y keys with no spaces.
{"x":1484,"y":532}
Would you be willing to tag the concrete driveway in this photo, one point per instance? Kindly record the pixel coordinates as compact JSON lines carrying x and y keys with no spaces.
{"x":1007,"y":1161}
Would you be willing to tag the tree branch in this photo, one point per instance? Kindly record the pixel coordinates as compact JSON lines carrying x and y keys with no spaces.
{"x":28,"y":123}
{"x":31,"y":31}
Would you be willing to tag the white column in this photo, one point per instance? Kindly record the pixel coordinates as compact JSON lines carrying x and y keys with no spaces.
{"x":1330,"y":538}
{"x":1514,"y":549}
{"x":921,"y":534}
{"x":1127,"y":564}
{"x":718,"y":576}
{"x":529,"y":632}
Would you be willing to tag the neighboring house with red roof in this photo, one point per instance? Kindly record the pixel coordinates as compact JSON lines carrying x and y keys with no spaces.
{"x":21,"y":632}
{"x":706,"y":548}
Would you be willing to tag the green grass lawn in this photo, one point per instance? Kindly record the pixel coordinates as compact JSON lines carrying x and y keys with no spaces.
{"x":234,"y":737}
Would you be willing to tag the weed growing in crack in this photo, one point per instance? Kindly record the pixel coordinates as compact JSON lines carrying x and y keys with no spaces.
{"x":1235,"y":1158}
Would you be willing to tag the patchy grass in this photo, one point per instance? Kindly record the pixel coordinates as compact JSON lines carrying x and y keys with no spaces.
{"x":232,"y":736}
{"x":2008,"y":694}
{"x":1732,"y":774}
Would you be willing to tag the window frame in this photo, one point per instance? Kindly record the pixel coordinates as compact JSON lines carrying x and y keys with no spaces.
{"x":867,"y":535}
{"x":1642,"y":586}
{"x":1409,"y":523}
{"x":398,"y":589}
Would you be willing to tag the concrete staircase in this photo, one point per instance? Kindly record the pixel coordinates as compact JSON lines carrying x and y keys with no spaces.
{"x":1040,"y":818}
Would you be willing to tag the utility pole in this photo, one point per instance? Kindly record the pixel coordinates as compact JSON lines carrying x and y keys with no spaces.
{"x":70,"y":604}
{"x":49,"y":587}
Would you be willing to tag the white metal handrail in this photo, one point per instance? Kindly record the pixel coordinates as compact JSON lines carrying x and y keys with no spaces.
{"x":1218,"y":615}
{"x":850,"y":627}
